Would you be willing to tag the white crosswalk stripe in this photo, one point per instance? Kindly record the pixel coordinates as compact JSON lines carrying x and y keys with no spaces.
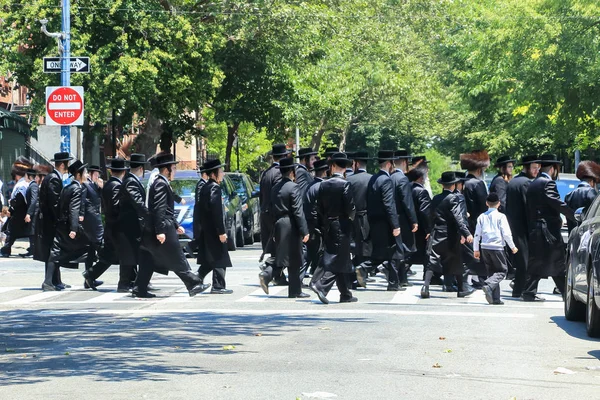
{"x":34,"y":297}
{"x":411,"y":295}
{"x":259,"y":295}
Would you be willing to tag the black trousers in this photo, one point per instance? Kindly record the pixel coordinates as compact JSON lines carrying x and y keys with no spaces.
{"x":127,"y":274}
{"x":218,"y":275}
{"x":314,"y":252}
{"x":392,"y":267}
{"x":144,"y":273}
{"x":8,"y":243}
{"x":295,"y":285}
{"x":325,"y":283}
{"x":531,"y":285}
{"x":52,"y":274}
{"x":497,"y":267}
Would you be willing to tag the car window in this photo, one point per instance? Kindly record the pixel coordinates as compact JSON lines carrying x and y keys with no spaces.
{"x":238,"y":183}
{"x":184,"y":187}
{"x":594,"y":209}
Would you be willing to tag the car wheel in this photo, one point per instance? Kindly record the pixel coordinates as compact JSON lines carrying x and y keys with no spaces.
{"x":592,"y":320}
{"x":239,"y":236}
{"x":231,"y":245}
{"x":249,"y":239}
{"x":574,"y":310}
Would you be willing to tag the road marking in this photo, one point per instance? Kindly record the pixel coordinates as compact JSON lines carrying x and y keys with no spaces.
{"x":333,"y":296}
{"x":259,"y":295}
{"x":411,"y":295}
{"x":106,"y":298}
{"x":8,"y":289}
{"x":477,"y":298}
{"x":177,"y":297}
{"x":34,"y":297}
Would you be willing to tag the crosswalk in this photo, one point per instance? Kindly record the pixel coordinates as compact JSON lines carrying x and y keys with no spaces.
{"x":173,"y":292}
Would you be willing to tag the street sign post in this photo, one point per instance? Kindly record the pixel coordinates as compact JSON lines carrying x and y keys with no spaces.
{"x":53,"y":65}
{"x":64,"y":105}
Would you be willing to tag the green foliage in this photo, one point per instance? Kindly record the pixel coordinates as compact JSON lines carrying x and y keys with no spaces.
{"x":438,"y":163}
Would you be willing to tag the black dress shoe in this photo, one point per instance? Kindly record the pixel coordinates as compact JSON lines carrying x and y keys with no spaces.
{"x":424,"y":292}
{"x":4,"y":255}
{"x":320,"y":294}
{"x":123,"y":289}
{"x":88,"y":283}
{"x":63,"y":286}
{"x":49,"y":288}
{"x":348,"y":300}
{"x":488,"y":294}
{"x":498,"y":302}
{"x":449,"y":288}
{"x":512,"y":284}
{"x":199,"y":288}
{"x":361,"y":276}
{"x":142,"y":295}
{"x":395,"y":289}
{"x":299,"y":296}
{"x":26,"y":255}
{"x":262,"y":278}
{"x":406,"y":284}
{"x":221,"y":291}
{"x":466,"y":293}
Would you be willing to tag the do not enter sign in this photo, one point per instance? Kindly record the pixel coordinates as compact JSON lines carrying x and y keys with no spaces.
{"x":64,"y":105}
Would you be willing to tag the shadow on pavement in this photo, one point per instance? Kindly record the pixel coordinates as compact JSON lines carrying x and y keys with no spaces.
{"x":39,"y":346}
{"x":574,"y":329}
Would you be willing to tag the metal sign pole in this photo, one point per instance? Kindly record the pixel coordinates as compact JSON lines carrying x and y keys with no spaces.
{"x":65,"y":75}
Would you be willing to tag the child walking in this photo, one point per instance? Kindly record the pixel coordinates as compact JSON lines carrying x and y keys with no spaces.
{"x":492,"y":234}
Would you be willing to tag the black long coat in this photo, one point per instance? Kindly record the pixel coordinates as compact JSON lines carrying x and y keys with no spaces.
{"x":582,"y":196}
{"x":290,"y":226}
{"x":92,"y":222}
{"x":49,"y":195}
{"x":110,"y":205}
{"x":66,"y":251}
{"x":269,"y":178}
{"x":17,"y":227}
{"x":475,"y":193}
{"x":422,"y":202}
{"x":303,"y":179}
{"x":546,"y":245}
{"x":196,"y":225}
{"x":382,"y":215}
{"x":359,"y":182}
{"x":168,"y":256}
{"x":309,"y":204}
{"x":474,"y":265}
{"x":33,"y":207}
{"x":133,"y":215}
{"x":516,"y":214}
{"x":212,"y":219}
{"x":499,"y":186}
{"x":336,"y":205}
{"x":449,"y":225}
{"x":405,"y":207}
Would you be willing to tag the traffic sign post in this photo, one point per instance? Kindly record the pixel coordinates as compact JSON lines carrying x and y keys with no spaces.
{"x":76,"y":64}
{"x":64,"y":107}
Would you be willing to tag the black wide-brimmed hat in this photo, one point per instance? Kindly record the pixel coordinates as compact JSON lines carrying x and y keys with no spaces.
{"x":306,"y":151}
{"x":31,"y":171}
{"x":137,"y":160}
{"x":320,"y":165}
{"x":461,"y":175}
{"x":279,"y":149}
{"x":62,"y":156}
{"x":402,"y":154}
{"x":76,"y":167}
{"x":503,"y":161}
{"x":94,"y":168}
{"x":340,"y":159}
{"x":360,"y":155}
{"x":550,"y":159}
{"x":210,"y":165}
{"x":529,"y":159}
{"x":448,"y":178}
{"x":385,"y":155}
{"x":118,"y":164}
{"x":164,"y":159}
{"x":419,"y":160}
{"x":329,"y":151}
{"x":287,"y":163}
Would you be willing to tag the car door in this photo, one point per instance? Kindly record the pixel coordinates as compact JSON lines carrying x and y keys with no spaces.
{"x":579,"y":244}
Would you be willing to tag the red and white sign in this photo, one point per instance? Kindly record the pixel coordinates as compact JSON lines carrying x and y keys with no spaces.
{"x":64,"y":105}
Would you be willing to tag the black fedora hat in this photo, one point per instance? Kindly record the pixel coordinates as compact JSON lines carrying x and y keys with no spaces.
{"x":306,"y":151}
{"x":550,"y":159}
{"x":118,"y":164}
{"x":76,"y":167}
{"x":329,"y":151}
{"x":529,"y":159}
{"x":31,"y":171}
{"x":448,"y":178}
{"x":503,"y":161}
{"x":461,"y":175}
{"x":62,"y":156}
{"x":210,"y":165}
{"x":419,"y":160}
{"x":94,"y":168}
{"x":340,"y":159}
{"x":137,"y":160}
{"x":320,"y":165}
{"x":402,"y":154}
{"x":287,"y":163}
{"x":279,"y":149}
{"x":360,"y":155}
{"x":164,"y":159}
{"x":385,"y":155}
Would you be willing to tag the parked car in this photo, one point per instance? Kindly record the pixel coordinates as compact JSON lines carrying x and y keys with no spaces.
{"x":582,"y":293}
{"x":245,"y":188}
{"x":184,"y":185}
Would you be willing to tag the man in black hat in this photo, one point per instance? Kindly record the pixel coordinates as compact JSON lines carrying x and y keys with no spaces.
{"x":336,"y":206}
{"x":92,"y":222}
{"x":475,"y":189}
{"x":505,"y":165}
{"x":383,"y":219}
{"x":303,"y":177}
{"x":132,"y":217}
{"x":108,"y":254}
{"x":329,"y":151}
{"x":290,"y":230}
{"x":359,"y":182}
{"x":407,"y":216}
{"x":49,"y":195}
{"x":197,"y":228}
{"x":422,"y":202}
{"x":70,"y":245}
{"x":270,"y":178}
{"x":212,"y":242}
{"x":31,"y":198}
{"x":546,"y":245}
{"x":314,"y":248}
{"x":16,"y":225}
{"x":449,"y":231}
{"x":516,"y":213}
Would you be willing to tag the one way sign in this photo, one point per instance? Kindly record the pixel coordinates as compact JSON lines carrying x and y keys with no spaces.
{"x":77,"y":64}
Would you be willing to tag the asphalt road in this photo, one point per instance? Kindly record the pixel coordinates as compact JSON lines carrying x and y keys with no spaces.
{"x":104,"y":345}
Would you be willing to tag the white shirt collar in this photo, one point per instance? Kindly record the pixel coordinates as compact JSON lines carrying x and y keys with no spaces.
{"x":387,"y":173}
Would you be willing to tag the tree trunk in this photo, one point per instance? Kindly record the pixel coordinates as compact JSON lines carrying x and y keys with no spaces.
{"x":315,"y":142}
{"x":345,"y":133}
{"x":146,"y":141}
{"x":232,"y":131}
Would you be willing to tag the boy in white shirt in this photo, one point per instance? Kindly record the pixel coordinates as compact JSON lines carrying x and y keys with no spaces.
{"x":492,"y":234}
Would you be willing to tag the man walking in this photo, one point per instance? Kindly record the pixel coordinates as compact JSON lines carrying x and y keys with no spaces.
{"x":499,"y":185}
